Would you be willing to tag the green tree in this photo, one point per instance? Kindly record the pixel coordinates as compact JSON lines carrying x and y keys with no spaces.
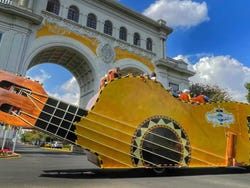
{"x":33,"y":136}
{"x":247,"y":86}
{"x":214,"y":92}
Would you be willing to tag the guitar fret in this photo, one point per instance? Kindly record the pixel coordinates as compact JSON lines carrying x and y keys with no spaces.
{"x":63,"y":119}
{"x":69,"y":128}
{"x":47,"y":109}
{"x":64,"y":132}
{"x":58,"y":118}
{"x":52,"y":124}
{"x":58,"y":109}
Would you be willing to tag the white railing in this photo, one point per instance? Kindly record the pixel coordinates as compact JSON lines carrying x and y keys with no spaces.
{"x":7,"y":2}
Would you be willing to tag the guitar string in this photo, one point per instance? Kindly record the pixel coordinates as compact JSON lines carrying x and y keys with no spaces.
{"x":156,"y":154}
{"x":99,"y":152}
{"x":84,"y":136}
{"x":133,"y":136}
{"x":193,"y":148}
{"x":126,"y":153}
{"x":34,"y":103}
{"x":30,"y":124}
{"x":71,"y":113}
{"x":164,"y":146}
{"x":126,"y":124}
{"x":156,"y":135}
{"x":129,"y":143}
{"x":101,"y":133}
{"x":101,"y":115}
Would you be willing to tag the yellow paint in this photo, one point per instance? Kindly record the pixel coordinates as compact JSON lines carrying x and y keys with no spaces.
{"x":53,"y":29}
{"x":123,"y":54}
{"x":124,"y":104}
{"x":92,"y":43}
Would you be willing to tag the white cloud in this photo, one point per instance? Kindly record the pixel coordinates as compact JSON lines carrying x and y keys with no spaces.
{"x":42,"y":77}
{"x":224,"y":71}
{"x":68,"y":92}
{"x":183,"y":13}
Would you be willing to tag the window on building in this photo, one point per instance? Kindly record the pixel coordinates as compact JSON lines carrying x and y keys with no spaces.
{"x":73,"y":13}
{"x":174,"y":86}
{"x":1,"y":36}
{"x":108,"y":27}
{"x":123,"y":34}
{"x":149,"y":45}
{"x":137,"y":40}
{"x":53,"y":6}
{"x":91,"y":21}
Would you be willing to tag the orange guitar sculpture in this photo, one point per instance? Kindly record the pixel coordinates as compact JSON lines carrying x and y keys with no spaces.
{"x":134,"y":123}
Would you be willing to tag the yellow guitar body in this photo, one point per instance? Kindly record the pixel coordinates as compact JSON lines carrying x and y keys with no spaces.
{"x":130,"y":111}
{"x":134,"y":123}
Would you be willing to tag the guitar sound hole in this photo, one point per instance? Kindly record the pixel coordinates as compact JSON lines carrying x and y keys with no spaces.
{"x":161,"y":146}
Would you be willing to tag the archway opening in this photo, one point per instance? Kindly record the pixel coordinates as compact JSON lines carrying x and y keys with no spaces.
{"x":57,"y":81}
{"x":67,"y":59}
{"x":133,"y":70}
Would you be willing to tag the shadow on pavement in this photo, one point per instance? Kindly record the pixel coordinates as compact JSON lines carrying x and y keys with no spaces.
{"x":137,"y":173}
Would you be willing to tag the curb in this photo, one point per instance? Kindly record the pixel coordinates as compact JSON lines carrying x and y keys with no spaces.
{"x":10,"y":156}
{"x":56,"y":149}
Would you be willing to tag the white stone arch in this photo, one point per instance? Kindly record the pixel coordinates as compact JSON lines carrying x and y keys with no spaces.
{"x":131,"y":63}
{"x":44,"y":43}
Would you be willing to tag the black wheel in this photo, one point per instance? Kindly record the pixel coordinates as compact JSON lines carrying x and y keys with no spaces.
{"x":159,"y":170}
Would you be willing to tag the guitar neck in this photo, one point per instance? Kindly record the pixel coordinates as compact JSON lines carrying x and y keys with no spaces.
{"x":57,"y":118}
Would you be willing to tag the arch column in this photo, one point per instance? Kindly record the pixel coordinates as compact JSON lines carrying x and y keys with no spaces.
{"x":25,"y":4}
{"x":163,"y":44}
{"x":30,"y":4}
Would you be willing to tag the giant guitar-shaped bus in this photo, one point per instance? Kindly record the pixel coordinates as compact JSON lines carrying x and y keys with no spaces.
{"x":134,"y":123}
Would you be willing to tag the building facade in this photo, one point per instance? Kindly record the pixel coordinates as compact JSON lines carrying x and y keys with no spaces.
{"x":87,"y":38}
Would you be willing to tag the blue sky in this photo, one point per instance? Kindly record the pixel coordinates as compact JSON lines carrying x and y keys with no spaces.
{"x":213,"y":36}
{"x":226,"y":32}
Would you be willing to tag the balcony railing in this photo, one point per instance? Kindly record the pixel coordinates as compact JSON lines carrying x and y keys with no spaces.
{"x":7,"y":2}
{"x":21,"y":9}
{"x":25,"y":4}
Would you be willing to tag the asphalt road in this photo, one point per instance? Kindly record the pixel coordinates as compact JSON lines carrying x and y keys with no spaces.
{"x":38,"y":168}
